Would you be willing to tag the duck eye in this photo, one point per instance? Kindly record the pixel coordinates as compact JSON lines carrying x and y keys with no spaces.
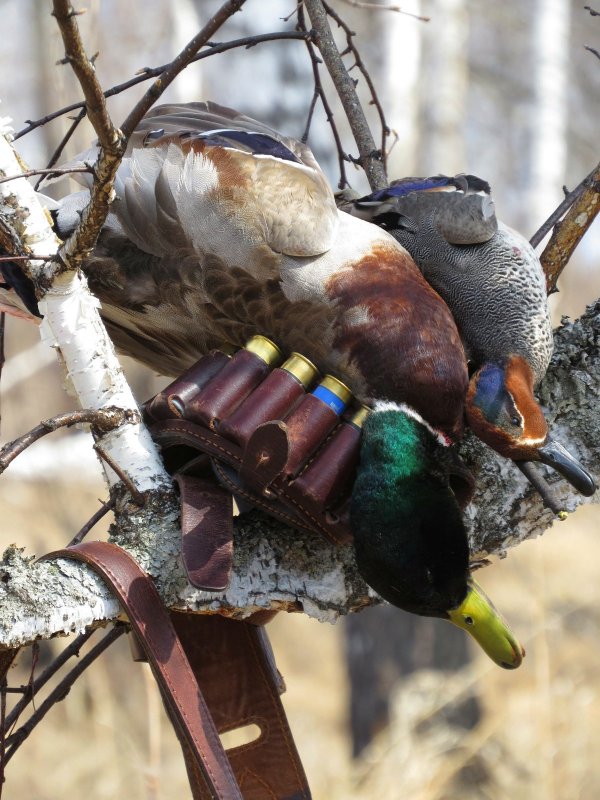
{"x":469,"y":620}
{"x":516,"y":421}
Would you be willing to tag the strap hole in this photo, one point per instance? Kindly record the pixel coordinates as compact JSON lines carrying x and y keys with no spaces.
{"x":240,"y":736}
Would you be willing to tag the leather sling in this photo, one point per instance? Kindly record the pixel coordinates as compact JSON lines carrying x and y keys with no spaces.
{"x":215,"y":675}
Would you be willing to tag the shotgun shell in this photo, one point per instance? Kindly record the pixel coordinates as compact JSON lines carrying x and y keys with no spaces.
{"x":301,"y":368}
{"x":239,"y":377}
{"x":333,"y":393}
{"x":359,"y":416}
{"x":265,"y":349}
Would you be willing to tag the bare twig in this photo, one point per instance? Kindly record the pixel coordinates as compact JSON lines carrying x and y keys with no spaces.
{"x":148,"y":73}
{"x":351,"y":48}
{"x":593,"y":13}
{"x":57,"y":171}
{"x":319,"y":93}
{"x":103,"y":419}
{"x":569,"y":231}
{"x":562,"y":209}
{"x":60,"y":692}
{"x":33,"y":687}
{"x":96,"y":517}
{"x":63,"y":143}
{"x":138,"y":497}
{"x":379,"y":7}
{"x":370,"y":155}
{"x":178,"y":64}
{"x":26,"y":258}
{"x":112,"y":143}
{"x":85,"y":71}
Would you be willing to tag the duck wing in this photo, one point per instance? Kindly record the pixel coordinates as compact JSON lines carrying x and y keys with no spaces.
{"x":210,"y":207}
{"x":460,"y":207}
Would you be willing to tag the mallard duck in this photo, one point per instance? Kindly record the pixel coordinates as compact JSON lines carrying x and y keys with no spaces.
{"x":424,"y":567}
{"x":222,"y":229}
{"x":494,"y":284}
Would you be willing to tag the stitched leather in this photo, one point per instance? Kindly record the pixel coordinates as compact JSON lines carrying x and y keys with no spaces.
{"x":171,"y":668}
{"x":265,"y":456}
{"x":233,"y":665}
{"x":333,"y":471}
{"x":171,"y":401}
{"x":274,"y":398}
{"x":224,"y":393}
{"x":175,"y":432}
{"x":206,"y":532}
{"x":307,"y":426}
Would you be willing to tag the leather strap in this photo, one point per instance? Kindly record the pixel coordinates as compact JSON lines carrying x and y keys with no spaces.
{"x":283,"y":498}
{"x":233,"y":663}
{"x":182,"y":696}
{"x":206,"y":532}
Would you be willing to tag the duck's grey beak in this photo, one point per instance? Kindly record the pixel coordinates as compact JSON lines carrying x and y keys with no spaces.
{"x":556,"y":456}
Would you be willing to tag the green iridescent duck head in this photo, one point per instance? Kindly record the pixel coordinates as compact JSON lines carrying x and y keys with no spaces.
{"x":410,"y":542}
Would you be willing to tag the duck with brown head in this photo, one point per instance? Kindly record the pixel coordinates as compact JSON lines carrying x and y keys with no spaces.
{"x":493,"y":282}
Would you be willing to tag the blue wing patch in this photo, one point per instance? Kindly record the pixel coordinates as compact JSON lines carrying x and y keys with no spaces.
{"x":256,"y":143}
{"x":406,"y":186}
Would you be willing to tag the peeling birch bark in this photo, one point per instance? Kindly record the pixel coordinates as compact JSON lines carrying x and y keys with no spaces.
{"x":73,"y":326}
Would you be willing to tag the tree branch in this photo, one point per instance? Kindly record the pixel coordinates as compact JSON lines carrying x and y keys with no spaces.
{"x":105,"y":419}
{"x":34,"y":686}
{"x":319,"y":93}
{"x":358,"y":62}
{"x":569,"y":231}
{"x":60,"y":691}
{"x":58,"y":171}
{"x":178,"y":64}
{"x":147,"y":73}
{"x":112,"y":142}
{"x":370,"y":154}
{"x":84,"y":69}
{"x":378,"y":7}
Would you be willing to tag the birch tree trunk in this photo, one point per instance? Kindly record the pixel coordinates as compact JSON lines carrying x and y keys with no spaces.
{"x":548,"y":122}
{"x":443,"y":89}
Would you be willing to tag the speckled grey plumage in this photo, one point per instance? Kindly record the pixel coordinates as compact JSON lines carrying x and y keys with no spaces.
{"x":496,"y":291}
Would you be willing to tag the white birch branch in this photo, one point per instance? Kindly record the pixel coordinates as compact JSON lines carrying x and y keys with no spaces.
{"x":73,"y":326}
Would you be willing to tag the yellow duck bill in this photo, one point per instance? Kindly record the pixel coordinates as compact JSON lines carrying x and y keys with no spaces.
{"x":477,"y":615}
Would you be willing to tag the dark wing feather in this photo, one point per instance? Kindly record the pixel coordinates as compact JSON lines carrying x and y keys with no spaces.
{"x":460,"y":207}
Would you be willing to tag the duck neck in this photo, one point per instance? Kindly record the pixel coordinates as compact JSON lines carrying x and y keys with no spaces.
{"x":408,"y":535}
